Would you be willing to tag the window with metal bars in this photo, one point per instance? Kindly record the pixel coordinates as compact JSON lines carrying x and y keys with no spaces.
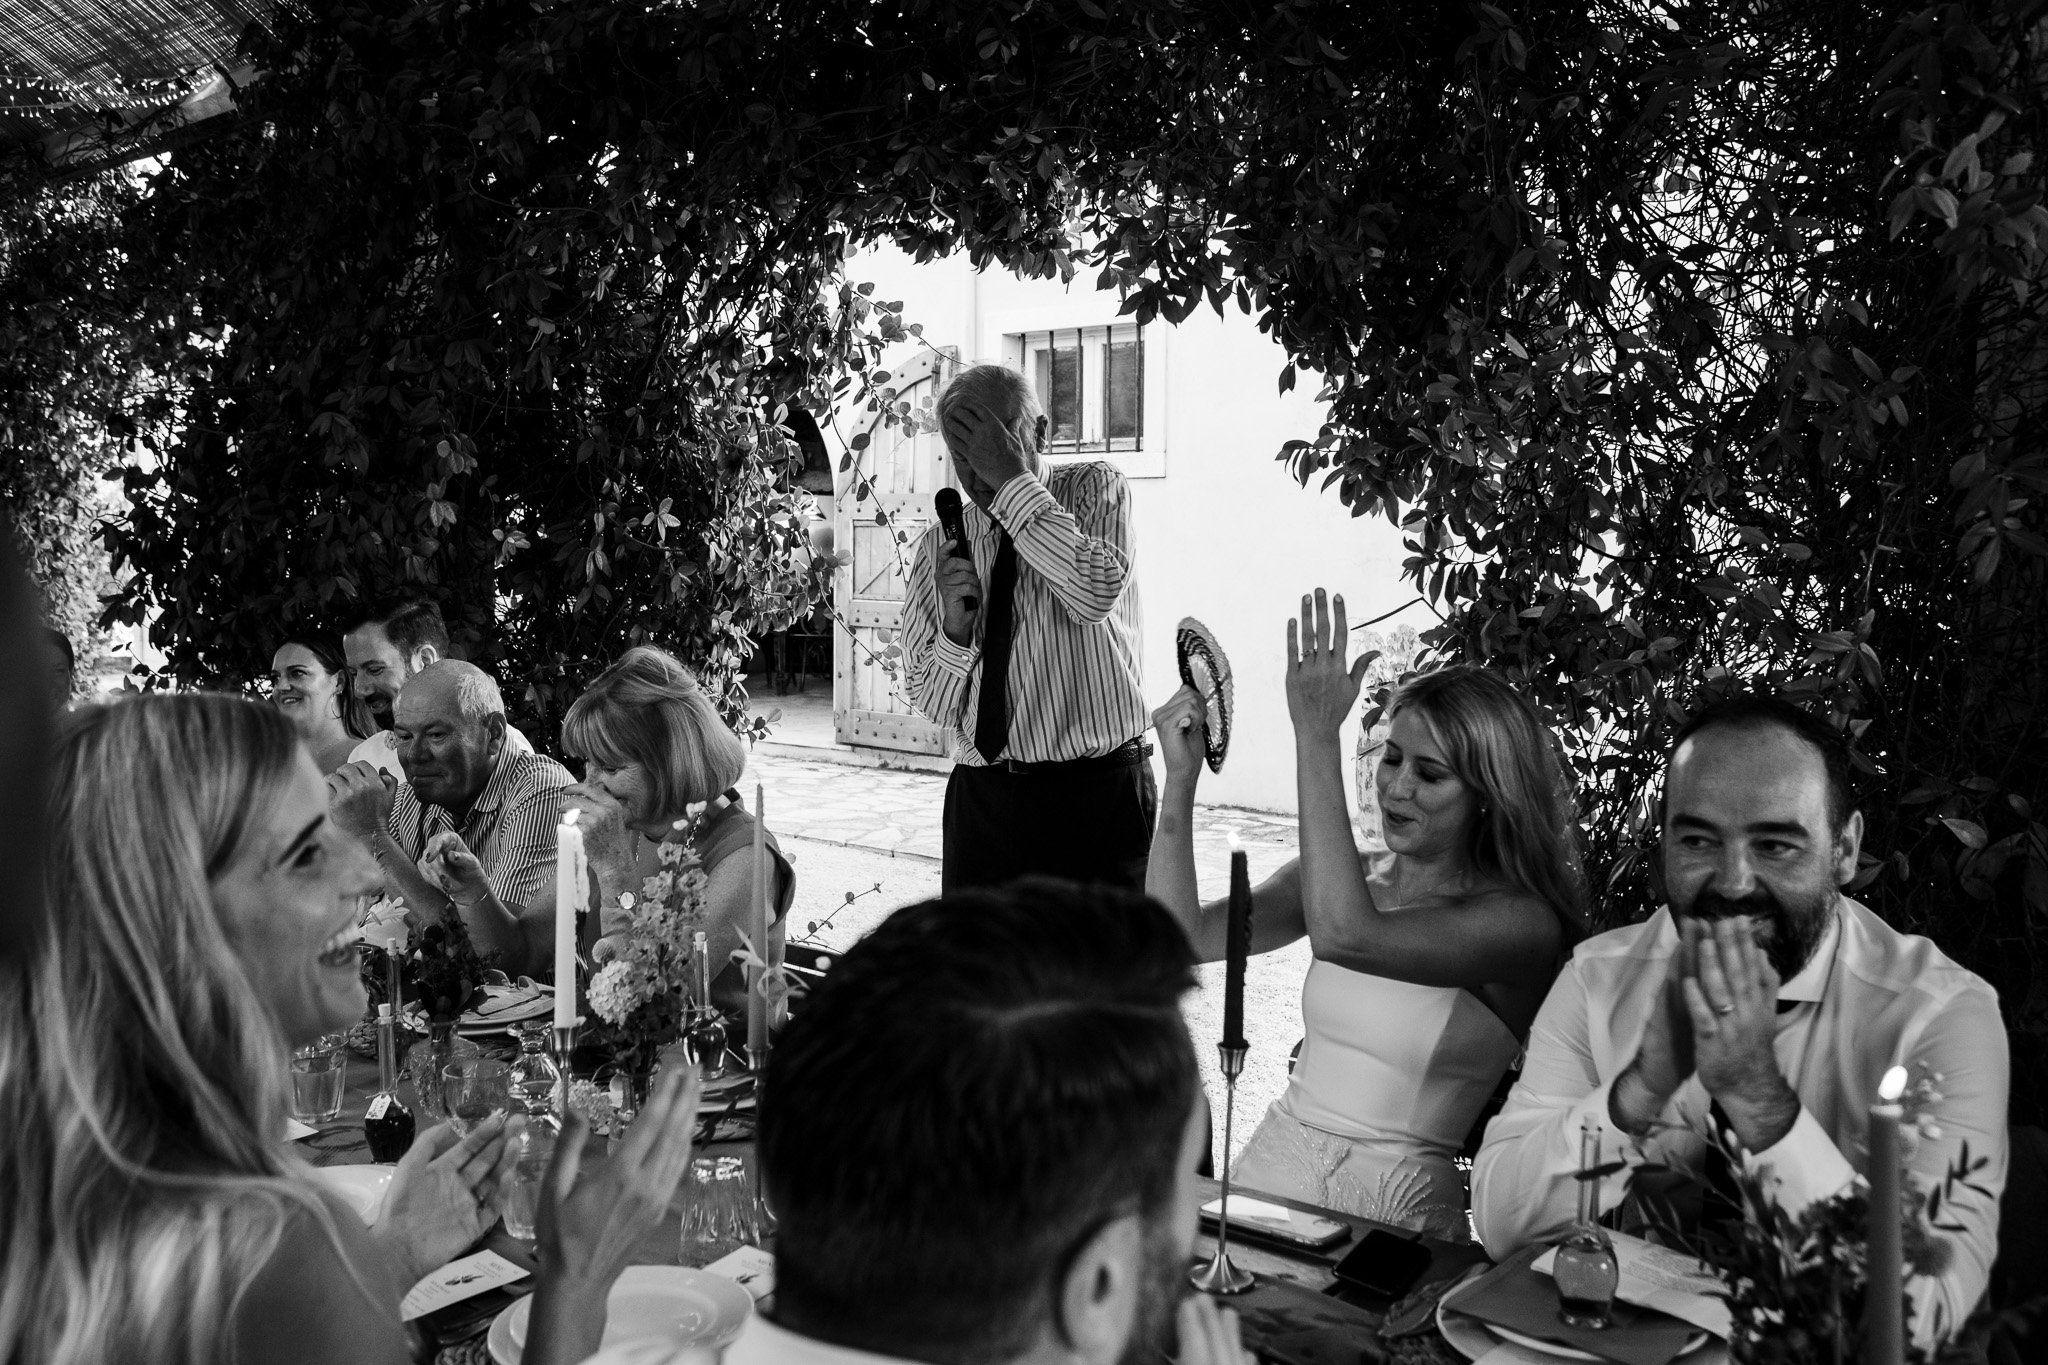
{"x":1091,"y":382}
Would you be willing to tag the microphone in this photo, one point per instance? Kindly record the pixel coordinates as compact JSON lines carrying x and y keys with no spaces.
{"x":946,"y":502}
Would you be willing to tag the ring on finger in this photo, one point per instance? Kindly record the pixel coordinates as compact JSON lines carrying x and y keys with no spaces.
{"x":1724,"y":1010}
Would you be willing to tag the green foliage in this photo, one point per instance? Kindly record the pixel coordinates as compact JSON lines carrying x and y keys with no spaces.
{"x":55,"y":363}
{"x":1690,"y":346}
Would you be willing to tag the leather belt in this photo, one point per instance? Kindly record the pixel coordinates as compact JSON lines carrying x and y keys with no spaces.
{"x":1129,"y":754}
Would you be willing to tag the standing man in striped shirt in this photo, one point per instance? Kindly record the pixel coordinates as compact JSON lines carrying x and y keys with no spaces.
{"x":1027,"y":647}
{"x":471,"y":830}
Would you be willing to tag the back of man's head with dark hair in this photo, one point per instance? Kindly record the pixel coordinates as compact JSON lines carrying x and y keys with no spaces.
{"x":1758,"y":711}
{"x":969,"y":1095}
{"x":410,"y":624}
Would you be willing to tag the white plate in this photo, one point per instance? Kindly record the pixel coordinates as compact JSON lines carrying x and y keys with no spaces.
{"x":1473,"y":1339}
{"x":361,"y":1187}
{"x":673,"y":1303}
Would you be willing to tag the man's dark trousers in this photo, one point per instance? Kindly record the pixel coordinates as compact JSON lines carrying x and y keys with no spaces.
{"x":1087,"y":821}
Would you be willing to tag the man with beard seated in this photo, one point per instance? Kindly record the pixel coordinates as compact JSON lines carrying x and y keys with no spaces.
{"x":978,"y":1135}
{"x":1762,"y":1002}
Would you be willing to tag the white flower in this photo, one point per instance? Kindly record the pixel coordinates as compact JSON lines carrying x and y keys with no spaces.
{"x":617,"y":990}
{"x":384,"y":925}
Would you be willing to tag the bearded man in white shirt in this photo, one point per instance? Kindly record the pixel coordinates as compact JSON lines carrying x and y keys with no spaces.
{"x":978,"y":1135}
{"x":1761,"y":1000}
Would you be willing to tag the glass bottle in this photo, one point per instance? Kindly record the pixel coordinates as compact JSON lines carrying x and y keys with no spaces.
{"x":1586,"y":1271}
{"x":535,"y":1077}
{"x":705,"y":1037}
{"x":387,"y":1123}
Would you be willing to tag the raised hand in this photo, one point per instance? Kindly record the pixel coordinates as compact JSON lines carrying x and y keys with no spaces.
{"x":1209,"y":1333}
{"x":1731,"y":997}
{"x":609,"y":843}
{"x":1321,"y":687}
{"x":591,"y":1230}
{"x":359,"y":799}
{"x":1183,"y":725}
{"x":445,"y":1193}
{"x":447,"y":863}
{"x":992,"y":451}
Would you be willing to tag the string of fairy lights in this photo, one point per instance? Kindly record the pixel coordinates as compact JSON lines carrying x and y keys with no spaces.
{"x":22,"y":92}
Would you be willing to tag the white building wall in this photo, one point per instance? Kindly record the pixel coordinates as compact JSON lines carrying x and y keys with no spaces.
{"x":1223,"y":532}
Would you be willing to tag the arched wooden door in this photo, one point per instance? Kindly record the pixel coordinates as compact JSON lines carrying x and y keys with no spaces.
{"x":870,"y":707}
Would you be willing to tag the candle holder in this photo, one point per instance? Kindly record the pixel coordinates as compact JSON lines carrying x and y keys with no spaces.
{"x":565,"y":1043}
{"x":1220,"y":1276}
{"x":757,"y":1061}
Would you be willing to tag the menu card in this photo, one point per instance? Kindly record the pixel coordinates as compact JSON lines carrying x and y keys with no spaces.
{"x":458,"y":1280}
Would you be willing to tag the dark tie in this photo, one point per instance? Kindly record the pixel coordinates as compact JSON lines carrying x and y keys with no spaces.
{"x":992,"y":715}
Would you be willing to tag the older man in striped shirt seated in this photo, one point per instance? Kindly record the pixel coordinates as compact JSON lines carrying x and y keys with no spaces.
{"x":472,"y":828}
{"x":1025,"y":643}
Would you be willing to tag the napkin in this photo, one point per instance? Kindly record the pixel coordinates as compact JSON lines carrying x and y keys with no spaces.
{"x":751,"y":1268}
{"x":294,"y":1130}
{"x":1513,"y":1295}
{"x":498,"y":999}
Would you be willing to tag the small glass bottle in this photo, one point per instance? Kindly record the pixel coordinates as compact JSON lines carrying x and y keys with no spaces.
{"x":387,"y":1124}
{"x":1586,"y":1271}
{"x":535,"y":1077}
{"x":705,"y":1037}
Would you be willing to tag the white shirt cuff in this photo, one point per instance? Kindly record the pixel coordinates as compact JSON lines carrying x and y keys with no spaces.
{"x":1021,"y":499}
{"x":1803,"y":1166}
{"x":955,"y":659}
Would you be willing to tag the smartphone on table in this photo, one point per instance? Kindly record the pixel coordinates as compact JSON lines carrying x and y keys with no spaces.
{"x":1384,"y":1263}
{"x":1277,"y":1223}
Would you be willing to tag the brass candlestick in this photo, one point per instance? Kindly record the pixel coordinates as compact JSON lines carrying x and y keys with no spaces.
{"x":1220,"y":1276}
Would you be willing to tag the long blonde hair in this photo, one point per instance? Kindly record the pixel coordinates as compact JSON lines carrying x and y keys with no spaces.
{"x":1527,"y":832}
{"x":141,"y":1076}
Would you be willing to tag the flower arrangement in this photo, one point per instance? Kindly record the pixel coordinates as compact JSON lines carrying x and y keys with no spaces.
{"x":1795,"y":1284}
{"x":640,"y":995}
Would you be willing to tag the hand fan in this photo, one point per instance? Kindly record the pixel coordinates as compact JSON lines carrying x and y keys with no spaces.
{"x":1204,"y":668}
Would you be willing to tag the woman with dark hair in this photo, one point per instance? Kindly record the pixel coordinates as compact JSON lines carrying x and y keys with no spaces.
{"x":309,"y":683}
{"x":1431,"y":958}
{"x":150,"y":1208}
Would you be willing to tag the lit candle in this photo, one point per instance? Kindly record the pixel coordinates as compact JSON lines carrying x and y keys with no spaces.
{"x":1237,"y":942}
{"x":1884,"y":1338}
{"x":570,"y":875}
{"x":757,"y":997}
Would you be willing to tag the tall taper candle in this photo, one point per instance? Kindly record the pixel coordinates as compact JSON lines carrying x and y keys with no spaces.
{"x":570,"y":874}
{"x":1237,"y":946}
{"x":757,"y":930}
{"x":1884,"y":1335}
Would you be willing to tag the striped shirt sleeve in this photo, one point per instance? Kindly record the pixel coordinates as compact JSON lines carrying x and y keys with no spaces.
{"x":935,"y":670}
{"x":1084,"y":555}
{"x":522,"y":847}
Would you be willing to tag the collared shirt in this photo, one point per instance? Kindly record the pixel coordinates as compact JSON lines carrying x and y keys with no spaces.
{"x":1870,"y":999}
{"x":380,"y":750}
{"x":760,"y":1342}
{"x":510,"y":829}
{"x":1075,"y":677}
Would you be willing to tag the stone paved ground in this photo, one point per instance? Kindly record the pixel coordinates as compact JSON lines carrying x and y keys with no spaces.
{"x":874,"y":833}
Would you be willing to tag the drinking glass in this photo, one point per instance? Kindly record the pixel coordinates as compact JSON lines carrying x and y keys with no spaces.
{"x":718,"y":1209}
{"x":474,"y":1088}
{"x":522,"y":1197}
{"x":319,"y":1075}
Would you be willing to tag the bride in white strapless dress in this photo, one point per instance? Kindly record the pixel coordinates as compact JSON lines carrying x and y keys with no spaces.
{"x":1431,"y":958}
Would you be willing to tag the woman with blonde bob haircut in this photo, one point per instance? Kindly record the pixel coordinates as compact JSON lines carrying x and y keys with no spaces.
{"x":1431,"y":956}
{"x":150,"y":1208}
{"x":660,"y":764}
